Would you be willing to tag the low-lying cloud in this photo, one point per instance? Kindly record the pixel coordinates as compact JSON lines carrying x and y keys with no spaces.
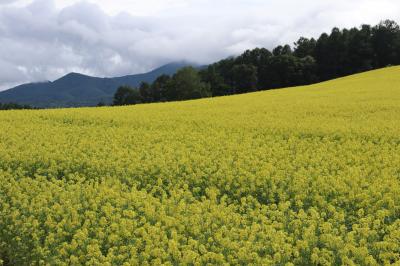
{"x":40,"y":40}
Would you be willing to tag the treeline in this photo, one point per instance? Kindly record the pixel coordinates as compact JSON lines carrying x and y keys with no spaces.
{"x":340,"y":53}
{"x":185,"y":84}
{"x":14,"y":106}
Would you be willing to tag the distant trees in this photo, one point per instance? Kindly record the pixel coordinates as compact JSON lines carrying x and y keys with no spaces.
{"x":386,"y":43}
{"x":305,"y":47}
{"x":214,"y":78}
{"x":126,"y":95}
{"x":288,"y":70}
{"x":244,"y":78}
{"x":185,"y":84}
{"x":339,"y":53}
{"x":335,"y":54}
{"x":360,"y":51}
{"x":159,"y":88}
{"x":260,"y":69}
{"x":101,"y":104}
{"x":146,"y":93}
{"x":14,"y":106}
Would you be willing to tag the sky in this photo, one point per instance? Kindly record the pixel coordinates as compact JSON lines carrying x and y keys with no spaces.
{"x":46,"y":39}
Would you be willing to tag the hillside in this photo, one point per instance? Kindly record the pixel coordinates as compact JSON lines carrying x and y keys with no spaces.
{"x":298,"y":176}
{"x":74,"y":89}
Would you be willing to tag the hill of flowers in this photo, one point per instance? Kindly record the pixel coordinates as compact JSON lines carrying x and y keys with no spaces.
{"x":299,"y":176}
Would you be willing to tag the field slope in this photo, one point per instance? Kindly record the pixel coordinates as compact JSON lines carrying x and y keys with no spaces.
{"x":298,"y":176}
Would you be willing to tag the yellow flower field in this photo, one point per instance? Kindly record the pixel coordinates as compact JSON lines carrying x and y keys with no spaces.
{"x":298,"y":176}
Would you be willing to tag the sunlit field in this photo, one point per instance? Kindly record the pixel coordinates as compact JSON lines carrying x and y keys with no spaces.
{"x":298,"y":176}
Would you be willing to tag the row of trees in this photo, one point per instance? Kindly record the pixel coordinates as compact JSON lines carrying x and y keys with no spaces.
{"x":14,"y":106}
{"x":342,"y":52}
{"x":185,"y":84}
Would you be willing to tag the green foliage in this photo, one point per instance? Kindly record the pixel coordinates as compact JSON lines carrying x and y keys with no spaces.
{"x":215,"y":80}
{"x":146,"y":93}
{"x":386,"y":43}
{"x":282,"y":50}
{"x":341,"y":52}
{"x":126,"y":95}
{"x":159,"y":88}
{"x":308,"y":176}
{"x":14,"y":106}
{"x":304,"y":47}
{"x":186,"y":84}
{"x":244,"y":78}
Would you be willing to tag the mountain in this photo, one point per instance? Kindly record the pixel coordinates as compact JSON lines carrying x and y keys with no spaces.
{"x":75,"y":90}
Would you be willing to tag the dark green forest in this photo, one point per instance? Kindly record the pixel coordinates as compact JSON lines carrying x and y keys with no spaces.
{"x":14,"y":106}
{"x":336,"y":54}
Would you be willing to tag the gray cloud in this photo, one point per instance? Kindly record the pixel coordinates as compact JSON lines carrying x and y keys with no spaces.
{"x":40,"y":41}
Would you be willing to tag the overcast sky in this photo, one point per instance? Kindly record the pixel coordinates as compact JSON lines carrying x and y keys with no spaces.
{"x":45,"y":39}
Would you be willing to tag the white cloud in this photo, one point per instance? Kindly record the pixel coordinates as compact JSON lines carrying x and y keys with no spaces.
{"x":44,"y":39}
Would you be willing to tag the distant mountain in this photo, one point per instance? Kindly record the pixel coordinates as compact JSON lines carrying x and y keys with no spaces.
{"x":74,"y":89}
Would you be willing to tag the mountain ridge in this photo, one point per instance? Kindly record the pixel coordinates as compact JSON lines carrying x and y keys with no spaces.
{"x":78,"y":90}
